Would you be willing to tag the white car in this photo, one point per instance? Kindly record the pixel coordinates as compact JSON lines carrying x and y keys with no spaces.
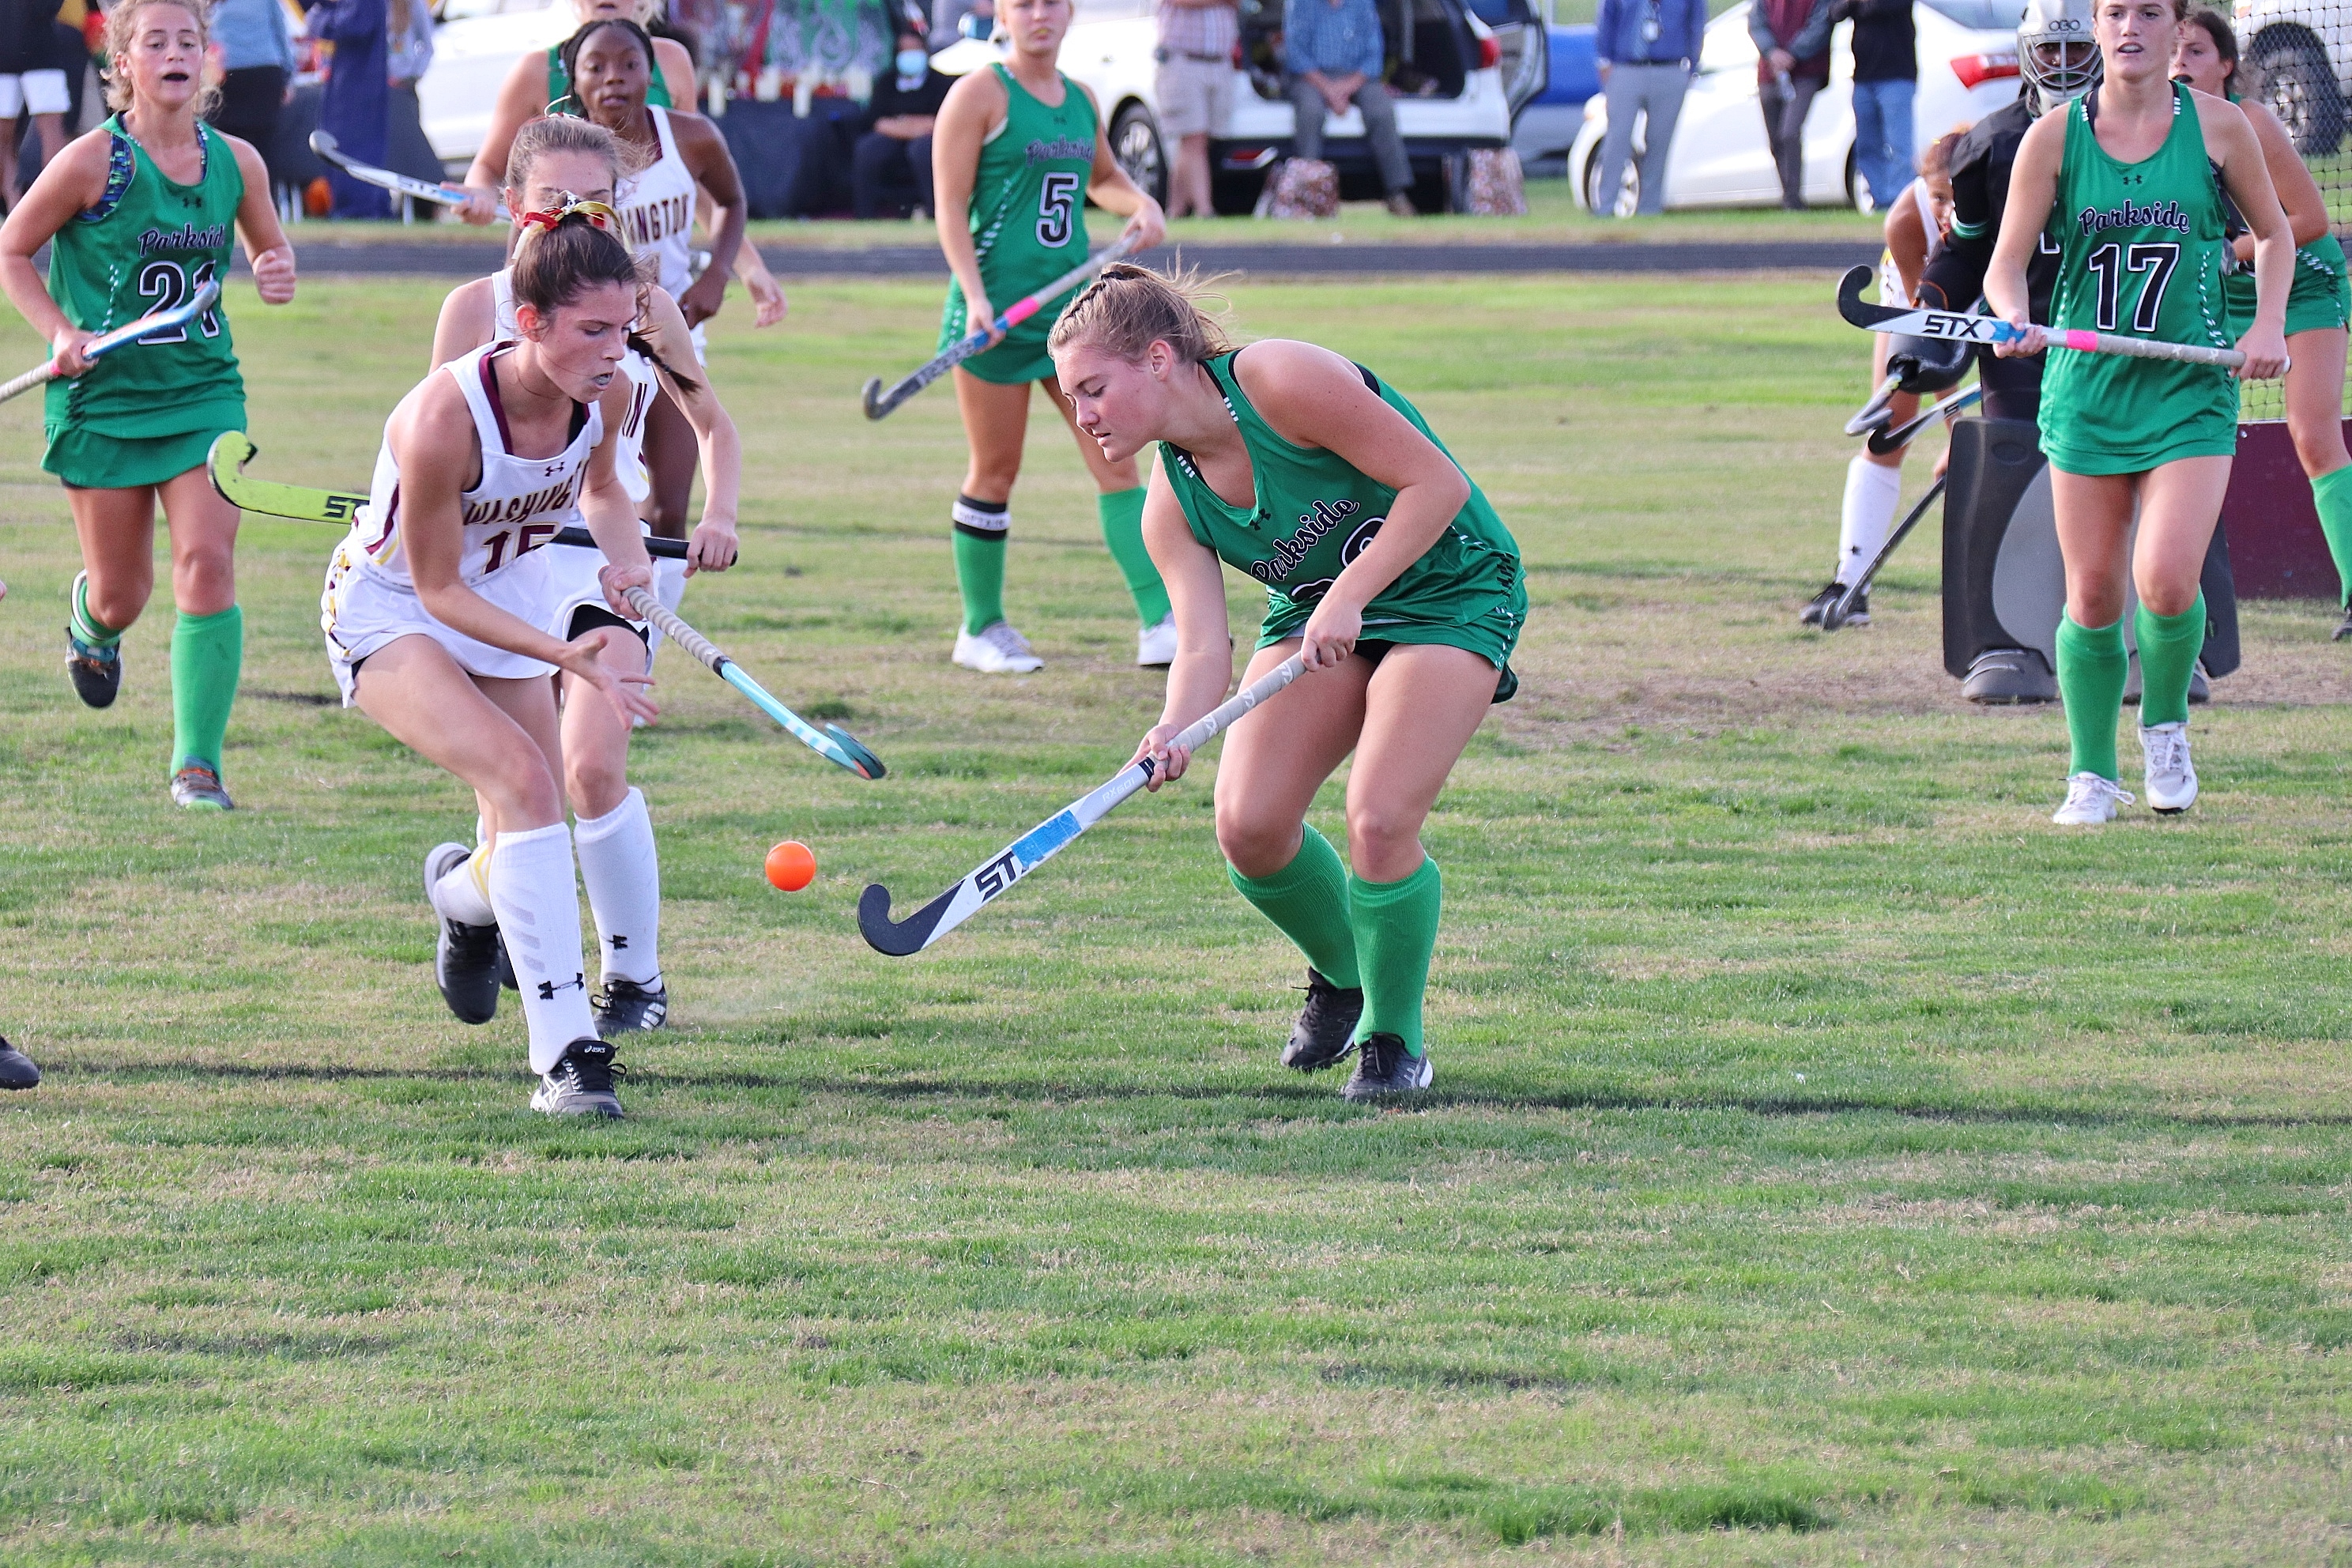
{"x":477,"y":43}
{"x":1968,"y":69}
{"x":1459,"y":78}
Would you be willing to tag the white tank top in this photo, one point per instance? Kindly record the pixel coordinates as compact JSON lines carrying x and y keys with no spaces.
{"x":629,"y":459}
{"x":514,"y":508}
{"x":657,"y":211}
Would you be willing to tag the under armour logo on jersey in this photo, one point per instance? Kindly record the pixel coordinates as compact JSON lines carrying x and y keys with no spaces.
{"x":548,"y":988}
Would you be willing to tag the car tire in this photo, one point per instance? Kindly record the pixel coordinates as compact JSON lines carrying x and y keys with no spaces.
{"x":1135,"y":147}
{"x":1629,"y":194}
{"x":2293,"y":79}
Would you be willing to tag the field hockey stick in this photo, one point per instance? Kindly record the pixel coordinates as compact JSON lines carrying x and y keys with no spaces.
{"x":323,"y":144}
{"x":1883,"y":442}
{"x":1874,"y":414}
{"x":1953,"y":327}
{"x":833,"y":742}
{"x":181,"y":315}
{"x":1834,"y":615}
{"x":232,"y":450}
{"x":1043,"y":842}
{"x":878,"y":402}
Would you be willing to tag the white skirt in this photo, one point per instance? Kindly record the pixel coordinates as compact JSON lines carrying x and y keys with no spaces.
{"x":361,"y":612}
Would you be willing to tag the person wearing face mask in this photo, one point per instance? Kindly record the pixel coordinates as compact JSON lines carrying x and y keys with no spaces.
{"x":896,"y":149}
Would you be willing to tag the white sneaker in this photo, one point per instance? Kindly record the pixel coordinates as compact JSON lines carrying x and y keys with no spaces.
{"x":996,"y":649}
{"x":1155,"y":646}
{"x":2090,"y":801}
{"x":2171,"y":780}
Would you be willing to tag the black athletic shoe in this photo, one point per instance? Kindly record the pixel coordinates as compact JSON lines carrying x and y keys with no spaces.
{"x":581,"y":1083}
{"x":1386,"y":1068}
{"x":2343,"y":627}
{"x":624,"y":1006}
{"x":16,"y":1069}
{"x":1859,"y":615}
{"x":1325,"y":1033}
{"x":96,"y":672}
{"x":1818,"y":605}
{"x":466,"y":963}
{"x":507,"y":980}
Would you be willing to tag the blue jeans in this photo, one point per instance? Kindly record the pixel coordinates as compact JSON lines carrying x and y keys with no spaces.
{"x":1882,"y":137}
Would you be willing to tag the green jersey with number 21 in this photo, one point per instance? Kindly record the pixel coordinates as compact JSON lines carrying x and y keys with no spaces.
{"x":1028,"y":199}
{"x":147,"y":246}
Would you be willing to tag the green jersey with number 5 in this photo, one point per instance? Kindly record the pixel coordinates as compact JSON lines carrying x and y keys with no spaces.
{"x":1028,"y":224}
{"x":2140,"y":252}
{"x":147,"y":246}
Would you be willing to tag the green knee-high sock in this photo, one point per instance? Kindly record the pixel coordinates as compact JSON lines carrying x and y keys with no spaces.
{"x":1122,"y":526}
{"x":93,"y":631}
{"x":2169,"y":646}
{"x":1396,"y":929}
{"x":2331,"y":493}
{"x":1307,"y":901}
{"x":982,"y":528}
{"x":207,"y":652}
{"x":2092,"y":665}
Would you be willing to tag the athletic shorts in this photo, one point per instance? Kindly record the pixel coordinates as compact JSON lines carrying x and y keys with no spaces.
{"x":1022,"y":355}
{"x":34,"y":92}
{"x":574,"y":591}
{"x":1491,"y":637}
{"x":1196,"y":95}
{"x":2319,"y":298}
{"x":89,"y":461}
{"x":361,"y":612}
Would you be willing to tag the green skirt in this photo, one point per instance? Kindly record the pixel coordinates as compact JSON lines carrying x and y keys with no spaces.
{"x":1020,"y":357}
{"x":89,"y":461}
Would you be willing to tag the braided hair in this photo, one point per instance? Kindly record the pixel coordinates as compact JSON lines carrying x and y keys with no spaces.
{"x":1129,"y":308}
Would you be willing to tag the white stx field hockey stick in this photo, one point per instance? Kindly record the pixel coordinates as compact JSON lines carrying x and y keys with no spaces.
{"x":833,"y":742}
{"x":205,"y":299}
{"x":1043,"y":842}
{"x":1834,"y":616}
{"x":1884,"y":441}
{"x":1954,"y":327}
{"x":880,"y":403}
{"x":231,"y":452}
{"x":325,"y":146}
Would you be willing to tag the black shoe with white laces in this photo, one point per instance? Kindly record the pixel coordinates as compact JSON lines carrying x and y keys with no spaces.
{"x":1325,"y":1031}
{"x":580,"y":1084}
{"x":624,"y":1006}
{"x":1816,"y":606}
{"x":466,"y":963}
{"x":16,"y":1069}
{"x":1386,"y":1068}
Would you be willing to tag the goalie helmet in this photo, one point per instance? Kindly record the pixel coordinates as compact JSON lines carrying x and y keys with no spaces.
{"x":2055,"y":52}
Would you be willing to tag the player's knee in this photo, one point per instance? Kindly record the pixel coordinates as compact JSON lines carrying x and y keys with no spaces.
{"x":1255,"y":845}
{"x":206,"y":574}
{"x":119,"y":602}
{"x":596,"y":783}
{"x":525,"y":792}
{"x":2169,"y":598}
{"x":1380,"y":835}
{"x":2319,"y":449}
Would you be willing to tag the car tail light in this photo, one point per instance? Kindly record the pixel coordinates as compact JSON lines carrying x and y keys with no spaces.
{"x":1490,"y":54}
{"x":1976,"y":69}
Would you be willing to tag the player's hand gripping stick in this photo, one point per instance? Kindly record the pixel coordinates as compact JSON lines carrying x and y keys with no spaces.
{"x":323,"y":144}
{"x":1043,"y":842}
{"x":878,"y":402}
{"x":1954,"y":327}
{"x":180,"y":315}
{"x":833,"y":742}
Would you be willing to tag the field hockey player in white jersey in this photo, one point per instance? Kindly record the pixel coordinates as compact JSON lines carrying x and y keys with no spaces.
{"x":434,"y":606}
{"x":613,"y":836}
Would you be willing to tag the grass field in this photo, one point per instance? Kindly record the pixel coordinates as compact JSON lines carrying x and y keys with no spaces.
{"x":1828,"y":1161}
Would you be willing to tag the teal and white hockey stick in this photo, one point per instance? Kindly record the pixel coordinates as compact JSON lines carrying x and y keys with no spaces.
{"x":1047,"y":839}
{"x":180,"y":315}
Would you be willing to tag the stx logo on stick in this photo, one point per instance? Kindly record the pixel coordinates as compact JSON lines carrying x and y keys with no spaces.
{"x":996,"y":876}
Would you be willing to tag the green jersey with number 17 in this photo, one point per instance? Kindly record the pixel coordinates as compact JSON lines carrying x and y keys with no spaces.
{"x":147,"y":246}
{"x":2140,"y":249}
{"x":1028,"y":197}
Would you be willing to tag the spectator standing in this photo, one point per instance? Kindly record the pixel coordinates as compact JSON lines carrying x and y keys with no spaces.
{"x":896,"y":149}
{"x":410,"y":30}
{"x":1646,"y":51}
{"x":1792,"y":43}
{"x":1335,"y":55}
{"x":1195,"y":88}
{"x":1885,"y":78}
{"x":356,"y":109}
{"x":258,"y":54}
{"x":30,"y":83}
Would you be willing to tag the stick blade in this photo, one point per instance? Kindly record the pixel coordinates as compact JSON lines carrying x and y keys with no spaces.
{"x":324,"y":144}
{"x":892,"y":938}
{"x":231,"y":450}
{"x":1851,"y":304}
{"x":869,"y":766}
{"x":874,"y":409}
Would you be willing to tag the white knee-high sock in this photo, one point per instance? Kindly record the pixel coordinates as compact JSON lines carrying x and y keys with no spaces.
{"x":538,"y":905}
{"x":618,"y":863}
{"x":1871,"y":493}
{"x":459,"y":895}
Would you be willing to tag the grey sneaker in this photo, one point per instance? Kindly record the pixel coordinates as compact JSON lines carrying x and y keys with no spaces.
{"x":996,"y":649}
{"x":196,"y":787}
{"x":16,"y":1069}
{"x":581,"y":1083}
{"x":1383,"y":1067}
